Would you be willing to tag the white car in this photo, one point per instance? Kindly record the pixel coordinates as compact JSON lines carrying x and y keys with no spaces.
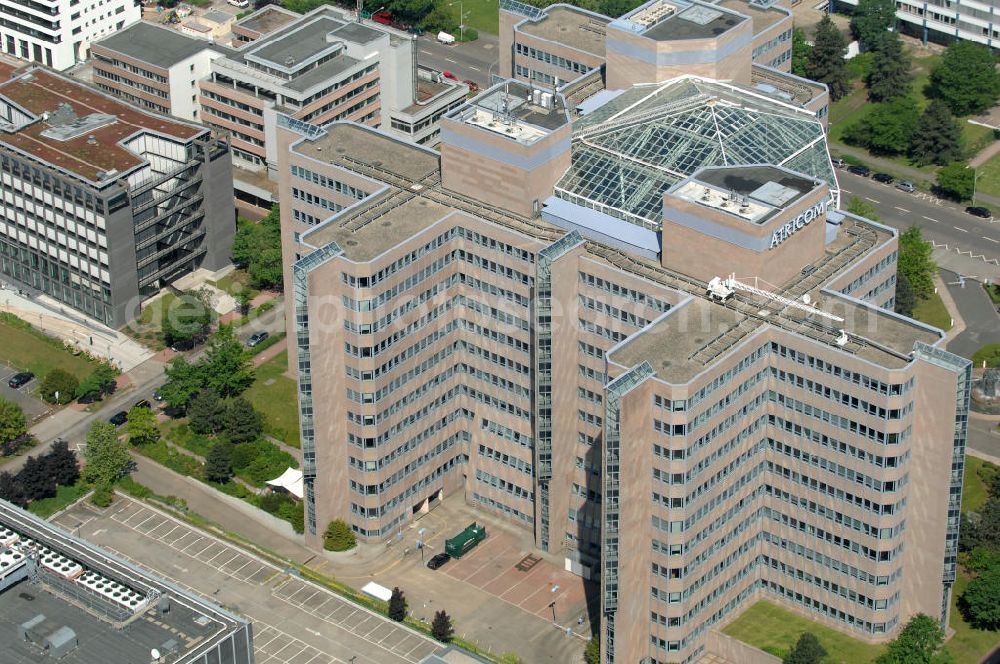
{"x":242,"y":4}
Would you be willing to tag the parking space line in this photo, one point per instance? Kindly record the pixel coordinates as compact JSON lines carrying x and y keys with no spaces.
{"x":170,"y":532}
{"x":236,"y":571}
{"x":140,"y":525}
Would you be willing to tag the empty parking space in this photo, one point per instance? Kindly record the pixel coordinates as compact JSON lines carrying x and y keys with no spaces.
{"x":295,"y":621}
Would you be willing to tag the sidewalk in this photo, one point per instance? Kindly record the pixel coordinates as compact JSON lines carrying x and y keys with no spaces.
{"x":985,"y":154}
{"x":958,"y":323}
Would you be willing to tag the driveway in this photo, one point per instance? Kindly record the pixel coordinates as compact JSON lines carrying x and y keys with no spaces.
{"x":982,"y":323}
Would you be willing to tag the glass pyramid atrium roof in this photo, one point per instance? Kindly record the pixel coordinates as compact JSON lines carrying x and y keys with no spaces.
{"x":627,"y":153}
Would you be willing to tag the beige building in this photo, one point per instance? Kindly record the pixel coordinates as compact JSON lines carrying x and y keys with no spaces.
{"x":635,"y":322}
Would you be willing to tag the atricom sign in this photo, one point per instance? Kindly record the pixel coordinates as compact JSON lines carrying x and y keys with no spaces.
{"x":799,"y":222}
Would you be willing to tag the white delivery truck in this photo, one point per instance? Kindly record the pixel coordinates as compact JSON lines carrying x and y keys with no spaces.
{"x":445,"y":38}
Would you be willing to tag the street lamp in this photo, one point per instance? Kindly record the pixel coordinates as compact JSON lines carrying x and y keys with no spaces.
{"x":461,"y":18}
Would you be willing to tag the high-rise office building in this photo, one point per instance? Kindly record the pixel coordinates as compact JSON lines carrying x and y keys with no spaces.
{"x":636,"y":322}
{"x":104,"y":204}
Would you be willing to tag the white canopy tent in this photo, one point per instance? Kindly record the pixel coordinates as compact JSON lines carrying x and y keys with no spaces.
{"x":290,"y":481}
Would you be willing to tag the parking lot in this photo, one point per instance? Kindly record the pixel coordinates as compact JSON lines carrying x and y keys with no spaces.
{"x":32,"y":406}
{"x":295,"y":621}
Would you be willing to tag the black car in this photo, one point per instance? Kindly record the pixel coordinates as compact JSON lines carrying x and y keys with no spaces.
{"x":256,"y":338}
{"x":119,"y":418}
{"x":438,"y":560}
{"x":143,"y":403}
{"x":863,"y":171}
{"x":181,"y":346}
{"x":884,"y":178}
{"x":978,"y":211}
{"x":157,"y":396}
{"x":20,"y":379}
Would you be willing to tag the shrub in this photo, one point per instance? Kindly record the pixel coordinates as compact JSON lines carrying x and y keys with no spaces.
{"x":441,"y":628}
{"x":103,"y":495}
{"x":59,"y":386}
{"x":397,"y":605}
{"x":339,"y":537}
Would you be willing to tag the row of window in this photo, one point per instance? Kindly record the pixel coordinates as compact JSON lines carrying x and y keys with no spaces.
{"x":504,"y":485}
{"x":552,"y":59}
{"x":341,"y":188}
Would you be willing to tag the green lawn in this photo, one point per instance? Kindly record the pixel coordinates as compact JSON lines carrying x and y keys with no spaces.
{"x":990,"y":354}
{"x":988,"y":176}
{"x":483,"y":15}
{"x":993,"y":291}
{"x":933,"y":312}
{"x":775,"y":630}
{"x":979,"y":475}
{"x":969,"y":645}
{"x":235,"y":282}
{"x":148,"y":327}
{"x":65,"y":496}
{"x":27,"y":349}
{"x":275,"y":395}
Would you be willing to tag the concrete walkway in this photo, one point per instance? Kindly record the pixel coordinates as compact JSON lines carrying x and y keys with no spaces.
{"x":985,"y":154}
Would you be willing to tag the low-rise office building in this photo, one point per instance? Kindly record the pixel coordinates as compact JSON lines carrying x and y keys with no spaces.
{"x":104,"y":204}
{"x":64,"y":599}
{"x":58,"y":33}
{"x":943,"y":21}
{"x":635,"y":323}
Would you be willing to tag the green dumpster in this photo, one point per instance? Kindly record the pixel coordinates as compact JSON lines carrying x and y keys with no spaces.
{"x":465,"y":541}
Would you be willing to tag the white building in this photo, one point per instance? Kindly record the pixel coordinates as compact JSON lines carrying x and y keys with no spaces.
{"x":943,"y":21}
{"x":58,"y":33}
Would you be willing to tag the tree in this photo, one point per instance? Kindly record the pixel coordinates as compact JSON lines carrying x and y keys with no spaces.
{"x":257,"y":247}
{"x":966,"y":78}
{"x":906,"y":299}
{"x":409,"y":11}
{"x":862,"y":208}
{"x":35,"y":479}
{"x":242,"y":422}
{"x":920,"y":642}
{"x":915,"y":262}
{"x":227,"y":367}
{"x":207,"y":412}
{"x":243,"y":301}
{"x":188,"y":317}
{"x":61,"y":464}
{"x":889,"y":76}
{"x":980,"y":603}
{"x":441,"y":627}
{"x":107,"y":458}
{"x":938,"y":138}
{"x":988,"y":526}
{"x":59,"y":386}
{"x":887,"y":129}
{"x":871,"y":20}
{"x":801,"y":50}
{"x":11,"y":490}
{"x":807,"y":650}
{"x":397,"y":605}
{"x":98,"y":382}
{"x":592,"y":654}
{"x":440,"y":19}
{"x":826,"y":62}
{"x":183,"y":382}
{"x":142,"y":426}
{"x":339,"y":536}
{"x":956,"y":181}
{"x":219,"y":463}
{"x":12,"y":420}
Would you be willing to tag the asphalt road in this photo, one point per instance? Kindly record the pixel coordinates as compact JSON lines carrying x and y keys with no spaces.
{"x":470,"y":60}
{"x":982,"y":323}
{"x":941,"y":221}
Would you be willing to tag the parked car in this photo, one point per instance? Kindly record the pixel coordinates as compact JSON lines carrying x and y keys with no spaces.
{"x":143,"y":403}
{"x":20,"y":379}
{"x":438,"y":561}
{"x":906,"y":186}
{"x":838,"y":162}
{"x":448,"y":74}
{"x":884,"y":178}
{"x":414,"y":30}
{"x":119,"y":418}
{"x":181,"y":346}
{"x":242,"y":4}
{"x":383,"y":17}
{"x":978,"y":211}
{"x":256,"y":338}
{"x":157,"y":396}
{"x":863,"y":171}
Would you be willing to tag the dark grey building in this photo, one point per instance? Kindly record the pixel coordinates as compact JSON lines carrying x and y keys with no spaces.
{"x":104,"y":204}
{"x":64,"y":599}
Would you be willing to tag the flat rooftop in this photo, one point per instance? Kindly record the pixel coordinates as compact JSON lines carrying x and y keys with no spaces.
{"x":785,"y":86}
{"x":98,"y":642}
{"x":344,"y":142}
{"x":157,"y":45}
{"x":573,"y":27}
{"x":268,"y":19}
{"x":761,"y":191}
{"x":40,"y":91}
{"x":295,"y":45}
{"x":762,"y":17}
{"x":695,"y":22}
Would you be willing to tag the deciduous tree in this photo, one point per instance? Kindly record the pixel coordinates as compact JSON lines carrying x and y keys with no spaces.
{"x":592,"y":654}
{"x":184,"y":379}
{"x":887,"y":129}
{"x":12,"y":420}
{"x":920,"y":642}
{"x":62,"y":464}
{"x":966,"y":78}
{"x":11,"y":490}
{"x":107,"y":457}
{"x":59,"y":386}
{"x":957,"y":181}
{"x":339,"y":536}
{"x":826,"y":62}
{"x":188,"y":317}
{"x":862,"y":208}
{"x":915,"y":261}
{"x":981,"y":600}
{"x":871,"y":20}
{"x":141,"y":427}
{"x":35,"y":479}
{"x":227,"y":368}
{"x":98,"y":382}
{"x":801,"y":50}
{"x":807,"y":650}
